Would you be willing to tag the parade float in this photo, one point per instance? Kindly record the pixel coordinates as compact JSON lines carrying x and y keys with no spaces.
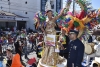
{"x":96,"y":48}
{"x":92,"y":49}
{"x":86,"y":19}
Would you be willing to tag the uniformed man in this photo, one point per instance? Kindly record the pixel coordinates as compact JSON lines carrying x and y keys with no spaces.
{"x":75,"y":50}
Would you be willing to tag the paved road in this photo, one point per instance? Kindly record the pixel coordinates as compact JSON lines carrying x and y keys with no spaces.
{"x":30,"y":56}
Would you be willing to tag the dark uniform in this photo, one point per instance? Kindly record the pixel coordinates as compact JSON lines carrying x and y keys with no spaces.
{"x":75,"y":52}
{"x":90,"y":40}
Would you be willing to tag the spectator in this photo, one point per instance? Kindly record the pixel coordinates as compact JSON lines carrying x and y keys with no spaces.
{"x":18,"y":48}
{"x":9,"y":57}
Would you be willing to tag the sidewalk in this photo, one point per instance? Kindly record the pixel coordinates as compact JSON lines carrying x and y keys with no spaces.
{"x":30,"y":56}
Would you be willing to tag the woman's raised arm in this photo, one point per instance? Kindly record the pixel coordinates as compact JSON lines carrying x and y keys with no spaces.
{"x":61,"y":13}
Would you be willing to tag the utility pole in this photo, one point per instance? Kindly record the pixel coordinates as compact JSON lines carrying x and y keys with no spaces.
{"x":73,"y":7}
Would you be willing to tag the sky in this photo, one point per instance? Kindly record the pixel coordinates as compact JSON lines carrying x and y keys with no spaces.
{"x":95,"y":4}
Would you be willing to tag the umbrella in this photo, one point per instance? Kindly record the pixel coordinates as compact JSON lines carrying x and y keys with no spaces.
{"x":31,"y":61}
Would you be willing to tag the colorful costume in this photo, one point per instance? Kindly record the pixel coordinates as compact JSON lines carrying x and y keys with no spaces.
{"x":49,"y":51}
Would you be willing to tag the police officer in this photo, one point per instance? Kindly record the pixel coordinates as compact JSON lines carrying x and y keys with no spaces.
{"x":75,"y":50}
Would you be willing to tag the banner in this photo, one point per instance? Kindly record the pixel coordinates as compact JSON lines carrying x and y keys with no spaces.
{"x":50,"y":40}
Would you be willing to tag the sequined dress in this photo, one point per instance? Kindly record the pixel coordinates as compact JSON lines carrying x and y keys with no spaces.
{"x":50,"y":57}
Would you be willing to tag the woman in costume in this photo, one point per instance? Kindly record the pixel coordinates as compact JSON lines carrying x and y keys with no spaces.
{"x":48,"y":57}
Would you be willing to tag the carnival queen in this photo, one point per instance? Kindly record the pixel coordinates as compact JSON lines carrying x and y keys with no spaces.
{"x":50,"y":57}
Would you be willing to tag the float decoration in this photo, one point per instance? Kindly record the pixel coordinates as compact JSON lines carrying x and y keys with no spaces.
{"x":76,"y":24}
{"x":80,"y":20}
{"x":87,"y":17}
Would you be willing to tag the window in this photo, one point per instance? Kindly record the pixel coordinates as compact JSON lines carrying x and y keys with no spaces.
{"x":52,"y":4}
{"x":1,"y":7}
{"x":26,"y":2}
{"x":43,"y":3}
{"x":25,"y":12}
{"x":58,"y":5}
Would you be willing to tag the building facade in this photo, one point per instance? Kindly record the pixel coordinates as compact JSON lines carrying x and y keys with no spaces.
{"x":25,"y":11}
{"x":56,"y":5}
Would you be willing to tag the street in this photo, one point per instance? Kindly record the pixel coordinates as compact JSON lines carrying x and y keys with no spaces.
{"x":30,"y":56}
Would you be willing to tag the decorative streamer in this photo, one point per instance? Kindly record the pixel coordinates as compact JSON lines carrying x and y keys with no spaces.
{"x":68,"y":21}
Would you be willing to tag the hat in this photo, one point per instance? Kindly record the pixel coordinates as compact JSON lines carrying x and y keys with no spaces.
{"x":74,"y":31}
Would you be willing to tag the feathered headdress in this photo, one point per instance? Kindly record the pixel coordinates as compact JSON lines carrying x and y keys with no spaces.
{"x":48,"y":6}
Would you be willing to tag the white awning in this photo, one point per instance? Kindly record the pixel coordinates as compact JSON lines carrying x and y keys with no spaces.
{"x":21,"y":19}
